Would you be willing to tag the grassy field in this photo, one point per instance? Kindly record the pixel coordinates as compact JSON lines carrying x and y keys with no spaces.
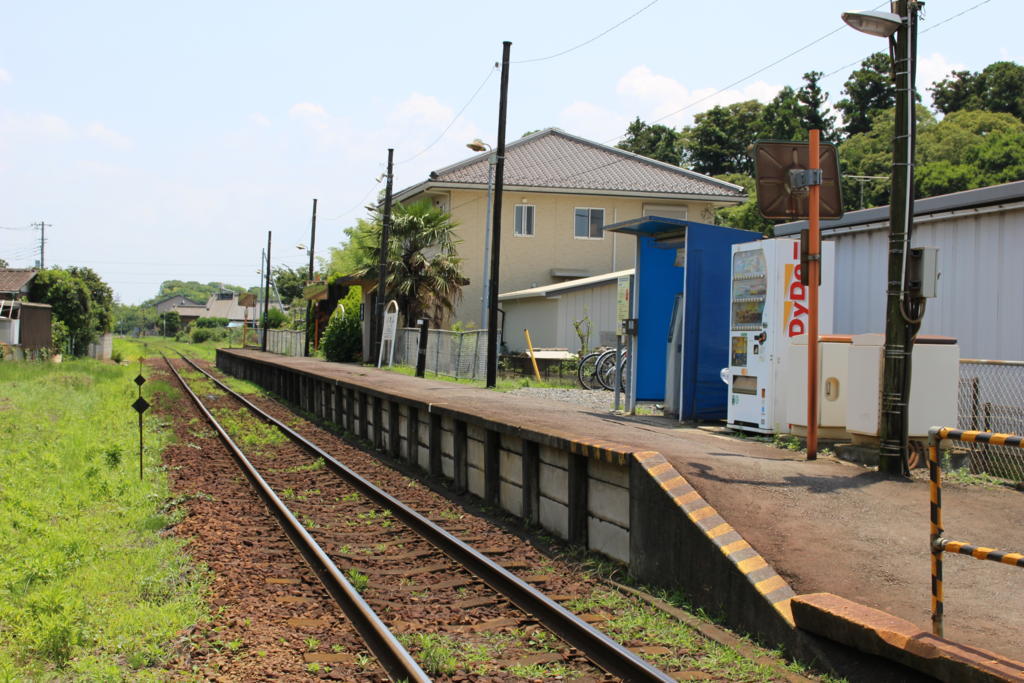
{"x":89,"y":590}
{"x":131,"y":348}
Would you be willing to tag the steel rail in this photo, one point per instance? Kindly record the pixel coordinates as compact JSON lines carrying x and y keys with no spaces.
{"x":393,"y":657}
{"x":603,"y":651}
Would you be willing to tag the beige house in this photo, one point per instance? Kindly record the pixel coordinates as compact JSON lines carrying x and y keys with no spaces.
{"x":560,"y":192}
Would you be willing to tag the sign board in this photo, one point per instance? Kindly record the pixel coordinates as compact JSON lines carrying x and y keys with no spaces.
{"x":390,"y":325}
{"x":777,"y":197}
{"x":247,"y":300}
{"x":622,"y":300}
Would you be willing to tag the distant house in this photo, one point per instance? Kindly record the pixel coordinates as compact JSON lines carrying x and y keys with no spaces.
{"x":560,"y":192}
{"x":168,"y":304}
{"x":220,"y":305}
{"x":24,"y":326}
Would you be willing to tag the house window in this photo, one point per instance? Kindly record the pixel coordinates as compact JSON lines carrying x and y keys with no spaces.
{"x":589,"y":224}
{"x":524,"y":220}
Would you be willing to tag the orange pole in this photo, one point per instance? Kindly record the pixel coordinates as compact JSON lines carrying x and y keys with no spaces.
{"x":813,"y":277}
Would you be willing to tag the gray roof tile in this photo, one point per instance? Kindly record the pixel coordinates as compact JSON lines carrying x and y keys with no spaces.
{"x":555,"y":159}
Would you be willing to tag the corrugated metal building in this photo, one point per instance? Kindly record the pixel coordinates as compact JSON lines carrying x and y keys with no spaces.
{"x":549,"y":312}
{"x":980,"y":236}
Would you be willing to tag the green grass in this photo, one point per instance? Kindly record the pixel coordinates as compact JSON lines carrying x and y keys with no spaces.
{"x":502,"y":384}
{"x":89,"y":590}
{"x":131,"y":348}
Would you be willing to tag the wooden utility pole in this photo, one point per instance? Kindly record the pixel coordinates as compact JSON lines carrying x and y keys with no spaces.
{"x":499,"y":186}
{"x":266,"y":297}
{"x":382,"y":266}
{"x":899,"y":342}
{"x":309,"y":304}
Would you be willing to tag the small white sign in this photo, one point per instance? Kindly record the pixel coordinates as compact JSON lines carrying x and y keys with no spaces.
{"x":390,"y":325}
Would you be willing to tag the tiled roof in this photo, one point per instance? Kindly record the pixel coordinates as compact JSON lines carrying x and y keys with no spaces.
{"x":554,"y":159}
{"x":13,"y":279}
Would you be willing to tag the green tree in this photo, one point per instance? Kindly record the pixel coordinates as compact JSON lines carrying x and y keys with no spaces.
{"x":719,"y":138}
{"x":290,"y":282}
{"x":869,"y":90}
{"x":745,"y":216}
{"x":655,"y":142}
{"x":424,"y":274}
{"x":343,"y":338}
{"x":3,"y":263}
{"x":170,"y":323}
{"x":782,"y":117}
{"x":998,"y":88}
{"x":85,"y":314}
{"x":812,"y":101}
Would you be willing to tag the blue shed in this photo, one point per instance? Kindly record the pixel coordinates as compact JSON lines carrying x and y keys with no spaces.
{"x":681,"y":302}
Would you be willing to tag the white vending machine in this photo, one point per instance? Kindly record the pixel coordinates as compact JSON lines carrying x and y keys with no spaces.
{"x":768,"y":315}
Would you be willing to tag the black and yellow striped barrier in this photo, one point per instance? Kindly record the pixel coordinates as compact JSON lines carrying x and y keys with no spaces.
{"x":941,"y":545}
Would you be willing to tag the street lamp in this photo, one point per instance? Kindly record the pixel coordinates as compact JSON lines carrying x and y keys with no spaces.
{"x":478,"y":145}
{"x":900,"y":27}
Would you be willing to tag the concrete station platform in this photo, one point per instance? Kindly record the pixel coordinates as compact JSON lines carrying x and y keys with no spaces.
{"x":792,"y":527}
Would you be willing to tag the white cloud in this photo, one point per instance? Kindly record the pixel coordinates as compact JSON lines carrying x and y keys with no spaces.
{"x":424,"y":109}
{"x":38,"y":127}
{"x":100,"y":132}
{"x":260,"y":120}
{"x":934,"y":67}
{"x":661,"y":97}
{"x":5,"y":76}
{"x":591,"y":121}
{"x":308,"y":111}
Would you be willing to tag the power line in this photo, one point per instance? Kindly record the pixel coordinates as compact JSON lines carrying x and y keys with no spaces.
{"x":589,"y":41}
{"x":490,"y":72}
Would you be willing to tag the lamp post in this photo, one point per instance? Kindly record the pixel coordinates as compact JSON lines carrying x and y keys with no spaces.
{"x":479,"y":145}
{"x":900,"y":27}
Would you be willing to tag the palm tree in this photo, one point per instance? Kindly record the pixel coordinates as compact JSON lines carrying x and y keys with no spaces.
{"x":424,"y":274}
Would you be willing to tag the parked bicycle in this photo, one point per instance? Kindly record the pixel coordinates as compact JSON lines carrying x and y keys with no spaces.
{"x":597,"y":369}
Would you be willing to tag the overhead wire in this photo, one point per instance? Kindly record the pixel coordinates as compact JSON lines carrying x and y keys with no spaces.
{"x":588,"y":41}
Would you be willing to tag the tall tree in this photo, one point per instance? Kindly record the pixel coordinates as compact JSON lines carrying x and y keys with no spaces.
{"x":812,"y":101}
{"x":719,"y":138}
{"x":999,"y":88}
{"x":655,"y":142}
{"x":869,"y":90}
{"x":84,"y":312}
{"x":290,"y":282}
{"x":782,"y":118}
{"x":424,"y":269}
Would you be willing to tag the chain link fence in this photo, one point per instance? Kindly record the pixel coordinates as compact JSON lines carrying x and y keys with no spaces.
{"x":462,"y":355}
{"x":991,"y":399}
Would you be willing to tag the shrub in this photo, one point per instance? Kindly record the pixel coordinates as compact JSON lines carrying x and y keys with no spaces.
{"x":211,"y":322}
{"x":201,"y":334}
{"x":343,"y":339}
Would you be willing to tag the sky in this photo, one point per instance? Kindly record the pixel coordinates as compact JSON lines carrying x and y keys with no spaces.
{"x":163,"y":141}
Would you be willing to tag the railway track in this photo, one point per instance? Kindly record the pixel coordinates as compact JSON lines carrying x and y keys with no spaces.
{"x":398,"y":575}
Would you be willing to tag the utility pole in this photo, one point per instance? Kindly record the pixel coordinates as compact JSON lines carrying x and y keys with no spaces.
{"x":309,"y":304}
{"x":42,"y":242}
{"x":266,"y":297}
{"x":382,"y":266}
{"x":899,"y":337}
{"x":499,"y":186}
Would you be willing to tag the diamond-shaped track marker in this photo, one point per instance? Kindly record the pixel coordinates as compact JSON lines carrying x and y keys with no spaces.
{"x":140,"y":380}
{"x":141,"y":405}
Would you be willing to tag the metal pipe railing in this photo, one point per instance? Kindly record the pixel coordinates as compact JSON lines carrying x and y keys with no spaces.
{"x":940,"y":545}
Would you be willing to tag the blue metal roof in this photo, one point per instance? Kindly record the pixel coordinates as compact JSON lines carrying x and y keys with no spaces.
{"x":658,"y":225}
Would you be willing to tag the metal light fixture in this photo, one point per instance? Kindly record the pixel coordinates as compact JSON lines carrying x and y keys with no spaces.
{"x":478,"y":145}
{"x":873,"y":22}
{"x":300,"y":246}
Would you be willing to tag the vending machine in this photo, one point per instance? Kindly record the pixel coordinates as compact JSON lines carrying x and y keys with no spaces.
{"x":768,"y":314}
